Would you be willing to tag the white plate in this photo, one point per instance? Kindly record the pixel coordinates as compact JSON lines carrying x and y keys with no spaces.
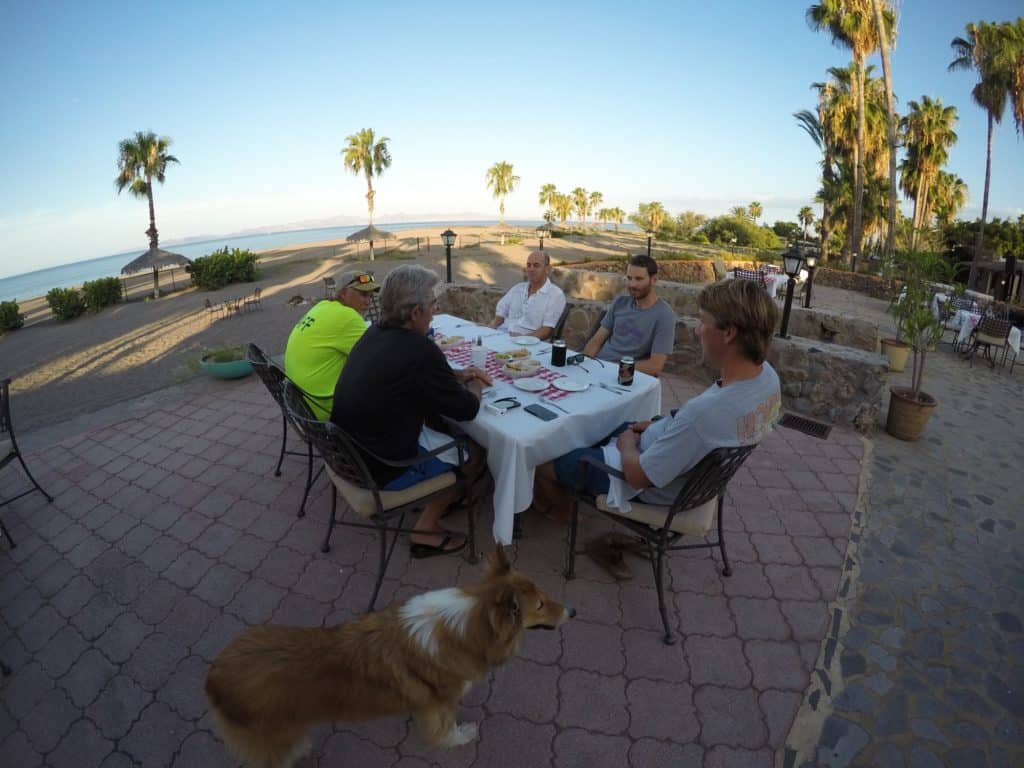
{"x":525,"y":341}
{"x":531,"y":385}
{"x":570,"y":385}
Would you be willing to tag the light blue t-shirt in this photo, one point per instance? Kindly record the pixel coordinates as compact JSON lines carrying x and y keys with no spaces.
{"x":741,"y":413}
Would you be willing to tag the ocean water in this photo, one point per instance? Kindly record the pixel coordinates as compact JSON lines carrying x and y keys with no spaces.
{"x":32,"y":284}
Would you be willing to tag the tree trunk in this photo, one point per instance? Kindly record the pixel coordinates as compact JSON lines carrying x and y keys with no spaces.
{"x":861,"y":172}
{"x":883,"y":39}
{"x":972,"y":279}
{"x":153,"y":238}
{"x":918,"y":203}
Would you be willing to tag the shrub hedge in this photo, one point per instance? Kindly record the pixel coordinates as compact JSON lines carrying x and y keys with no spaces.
{"x":10,"y":318}
{"x":223,"y":267}
{"x":65,"y":303}
{"x":101,"y":293}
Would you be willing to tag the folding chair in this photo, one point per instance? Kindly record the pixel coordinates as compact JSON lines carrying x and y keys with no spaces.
{"x":254,"y":301}
{"x":9,"y":451}
{"x":273,"y":379}
{"x":660,"y":527}
{"x":377,"y":508}
{"x":330,"y":291}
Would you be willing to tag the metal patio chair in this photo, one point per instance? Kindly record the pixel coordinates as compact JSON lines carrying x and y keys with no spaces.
{"x":375,"y":508}
{"x":9,"y":451}
{"x":660,"y":527}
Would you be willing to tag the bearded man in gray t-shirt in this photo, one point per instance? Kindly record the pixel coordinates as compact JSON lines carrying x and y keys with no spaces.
{"x":637,"y":325}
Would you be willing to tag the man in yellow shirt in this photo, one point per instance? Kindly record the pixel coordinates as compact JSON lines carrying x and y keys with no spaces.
{"x":321,"y":341}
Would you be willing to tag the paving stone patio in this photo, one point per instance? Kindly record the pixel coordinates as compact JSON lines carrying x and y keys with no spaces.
{"x":169,"y":534}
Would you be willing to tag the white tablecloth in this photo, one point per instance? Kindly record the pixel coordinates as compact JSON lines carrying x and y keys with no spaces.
{"x":517,"y":442}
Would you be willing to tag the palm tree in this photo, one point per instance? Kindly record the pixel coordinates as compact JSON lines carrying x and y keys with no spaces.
{"x":501,"y":181}
{"x":562,"y":205}
{"x":596,"y":198}
{"x":890,"y":108}
{"x":618,"y":216}
{"x":547,"y":195}
{"x":653,"y":214}
{"x":689,"y":222}
{"x":604,"y":215}
{"x":740,"y":212}
{"x":806,"y":217}
{"x":928,"y":135}
{"x":981,"y":50}
{"x":949,"y":195}
{"x":581,"y":201}
{"x":141,"y":159}
{"x":368,"y":155}
{"x":851,"y":24}
{"x":755,"y":210}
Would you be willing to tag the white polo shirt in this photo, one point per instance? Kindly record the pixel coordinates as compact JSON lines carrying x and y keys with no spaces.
{"x":523,"y":313}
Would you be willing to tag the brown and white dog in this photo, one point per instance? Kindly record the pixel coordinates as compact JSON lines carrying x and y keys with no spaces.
{"x":272,"y":684}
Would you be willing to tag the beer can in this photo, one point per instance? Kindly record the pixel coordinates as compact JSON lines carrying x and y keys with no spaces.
{"x":558,"y":353}
{"x":627,"y":367}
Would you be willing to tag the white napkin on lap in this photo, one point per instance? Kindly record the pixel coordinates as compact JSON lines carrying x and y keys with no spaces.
{"x":619,"y":491}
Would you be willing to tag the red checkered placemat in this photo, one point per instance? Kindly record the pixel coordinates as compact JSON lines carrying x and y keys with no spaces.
{"x":462,"y":355}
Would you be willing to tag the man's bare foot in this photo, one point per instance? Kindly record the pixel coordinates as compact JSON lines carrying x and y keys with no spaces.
{"x":429,"y":539}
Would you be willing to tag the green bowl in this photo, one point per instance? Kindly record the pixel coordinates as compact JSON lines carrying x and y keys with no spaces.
{"x":234,"y":369}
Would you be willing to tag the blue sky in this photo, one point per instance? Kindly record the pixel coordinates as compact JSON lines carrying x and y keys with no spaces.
{"x":686,"y":102}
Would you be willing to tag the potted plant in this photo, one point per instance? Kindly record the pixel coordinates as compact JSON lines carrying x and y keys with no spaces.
{"x":910,"y":407}
{"x":896,"y":350}
{"x":226,"y":363}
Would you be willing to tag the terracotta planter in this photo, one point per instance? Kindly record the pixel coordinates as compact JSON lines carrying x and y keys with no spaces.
{"x":908,"y":416}
{"x":897,"y":352}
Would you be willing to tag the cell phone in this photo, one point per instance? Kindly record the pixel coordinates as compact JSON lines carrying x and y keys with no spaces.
{"x":540,"y":412}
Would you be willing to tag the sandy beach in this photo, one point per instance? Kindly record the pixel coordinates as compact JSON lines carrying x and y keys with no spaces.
{"x":63,"y":370}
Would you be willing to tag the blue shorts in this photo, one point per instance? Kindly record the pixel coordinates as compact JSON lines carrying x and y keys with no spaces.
{"x":596,"y":482}
{"x":432,"y":467}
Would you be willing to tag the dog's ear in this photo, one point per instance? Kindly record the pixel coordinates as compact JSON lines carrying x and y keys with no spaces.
{"x":505,"y":614}
{"x":497,"y":564}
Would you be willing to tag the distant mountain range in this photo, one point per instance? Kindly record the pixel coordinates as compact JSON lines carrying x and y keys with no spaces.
{"x":333,"y":221}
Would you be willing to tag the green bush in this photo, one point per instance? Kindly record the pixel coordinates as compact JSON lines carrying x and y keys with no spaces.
{"x":722,"y":229}
{"x":222,"y":268}
{"x":65,"y":303}
{"x":10,"y":318}
{"x":101,"y":293}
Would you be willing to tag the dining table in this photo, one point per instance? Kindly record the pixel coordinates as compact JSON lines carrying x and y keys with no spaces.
{"x":584,"y":403}
{"x":970,"y":321}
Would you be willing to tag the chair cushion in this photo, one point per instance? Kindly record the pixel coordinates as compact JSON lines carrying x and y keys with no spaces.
{"x":6,"y":447}
{"x":361,"y":499}
{"x":692,"y":522}
{"x":995,"y":341}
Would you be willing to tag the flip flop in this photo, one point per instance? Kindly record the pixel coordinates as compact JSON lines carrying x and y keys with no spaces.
{"x":422,"y":551}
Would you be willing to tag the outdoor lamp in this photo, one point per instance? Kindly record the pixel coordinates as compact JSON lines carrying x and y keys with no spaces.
{"x":792,"y":261}
{"x":812,"y":262}
{"x":650,"y":236}
{"x":542,"y":233}
{"x":448,"y":238}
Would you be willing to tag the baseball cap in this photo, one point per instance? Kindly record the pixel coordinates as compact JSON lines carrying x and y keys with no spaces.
{"x":358,"y":279}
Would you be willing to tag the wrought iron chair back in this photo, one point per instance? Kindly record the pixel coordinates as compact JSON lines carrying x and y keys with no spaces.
{"x":9,"y":451}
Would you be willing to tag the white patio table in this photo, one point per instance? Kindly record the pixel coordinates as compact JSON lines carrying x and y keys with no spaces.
{"x":518,"y":442}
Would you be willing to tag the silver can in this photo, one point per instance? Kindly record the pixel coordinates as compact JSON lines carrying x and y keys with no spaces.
{"x":627,"y":367}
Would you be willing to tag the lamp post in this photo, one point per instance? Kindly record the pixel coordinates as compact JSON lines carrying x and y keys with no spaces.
{"x":812,"y":261}
{"x":448,"y":238}
{"x":542,"y":233}
{"x":792,"y":260}
{"x":650,"y":236}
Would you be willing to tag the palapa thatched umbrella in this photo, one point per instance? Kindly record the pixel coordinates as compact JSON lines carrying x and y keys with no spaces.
{"x":156,"y":259}
{"x":370,"y":233}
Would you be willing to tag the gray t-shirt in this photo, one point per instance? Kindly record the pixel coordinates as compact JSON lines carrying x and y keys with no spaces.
{"x":741,"y":413}
{"x":637,"y":332}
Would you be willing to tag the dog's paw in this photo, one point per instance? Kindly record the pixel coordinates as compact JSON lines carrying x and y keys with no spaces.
{"x":462,"y":733}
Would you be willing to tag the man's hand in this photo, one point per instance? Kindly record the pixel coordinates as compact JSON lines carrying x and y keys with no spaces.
{"x":471,"y":374}
{"x":627,"y":441}
{"x":640,"y":426}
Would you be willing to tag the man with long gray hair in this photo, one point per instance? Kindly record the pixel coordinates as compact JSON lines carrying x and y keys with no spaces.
{"x":395,"y":380}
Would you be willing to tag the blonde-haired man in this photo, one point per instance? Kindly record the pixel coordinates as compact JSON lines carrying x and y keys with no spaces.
{"x":736,"y":323}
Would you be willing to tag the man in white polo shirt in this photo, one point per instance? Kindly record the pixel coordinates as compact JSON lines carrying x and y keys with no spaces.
{"x":534,"y":307}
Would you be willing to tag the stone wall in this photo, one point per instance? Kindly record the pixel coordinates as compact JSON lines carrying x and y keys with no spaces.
{"x":869,"y":285}
{"x":831,"y":382}
{"x":813,"y":324}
